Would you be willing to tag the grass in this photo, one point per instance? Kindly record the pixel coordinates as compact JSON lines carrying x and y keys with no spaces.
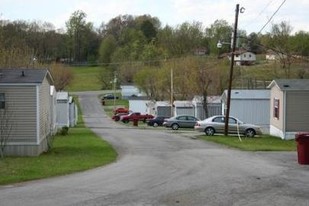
{"x":263,"y":143}
{"x":85,"y":79}
{"x":80,"y":150}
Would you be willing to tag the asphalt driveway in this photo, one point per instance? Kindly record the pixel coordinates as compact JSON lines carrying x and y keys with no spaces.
{"x":166,"y":168}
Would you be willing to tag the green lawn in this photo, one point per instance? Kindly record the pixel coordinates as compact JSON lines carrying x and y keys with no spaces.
{"x":85,"y":79}
{"x":80,"y":150}
{"x":263,"y":143}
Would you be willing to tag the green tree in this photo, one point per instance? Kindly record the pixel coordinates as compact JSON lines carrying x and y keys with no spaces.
{"x":107,"y":48}
{"x":78,"y":32}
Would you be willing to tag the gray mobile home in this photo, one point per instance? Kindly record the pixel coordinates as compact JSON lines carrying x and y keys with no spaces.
{"x":289,"y":113}
{"x":25,"y":96}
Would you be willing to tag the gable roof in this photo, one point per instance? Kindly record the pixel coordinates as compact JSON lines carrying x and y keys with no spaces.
{"x":24,"y":76}
{"x":290,"y":84}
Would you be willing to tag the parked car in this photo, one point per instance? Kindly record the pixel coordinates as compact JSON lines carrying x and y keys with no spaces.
{"x":109,"y":96}
{"x":157,"y":121}
{"x":181,"y":121}
{"x":121,"y":110}
{"x":216,"y":124}
{"x":118,"y":116}
{"x":135,"y":116}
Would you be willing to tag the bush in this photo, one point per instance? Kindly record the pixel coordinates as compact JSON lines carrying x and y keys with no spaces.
{"x":64,"y":131}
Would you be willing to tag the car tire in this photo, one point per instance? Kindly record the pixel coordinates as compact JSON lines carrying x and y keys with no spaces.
{"x":125,"y":121}
{"x":155,"y":124}
{"x":209,"y":131}
{"x":117,"y":119}
{"x":175,"y":126}
{"x":250,"y":133}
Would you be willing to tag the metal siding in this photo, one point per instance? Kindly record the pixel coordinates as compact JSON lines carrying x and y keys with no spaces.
{"x":297,"y":113}
{"x":251,"y":111}
{"x":185,"y":111}
{"x":21,"y":101}
{"x":276,"y":93}
{"x":45,"y":115}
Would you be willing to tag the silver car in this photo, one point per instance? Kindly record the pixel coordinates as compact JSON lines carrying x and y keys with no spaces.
{"x":216,"y":124}
{"x":183,"y":121}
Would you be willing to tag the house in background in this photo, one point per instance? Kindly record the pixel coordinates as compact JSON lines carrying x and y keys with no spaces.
{"x":289,"y":113}
{"x":243,"y":57}
{"x":25,"y":95}
{"x":128,"y":91}
{"x":249,"y":106}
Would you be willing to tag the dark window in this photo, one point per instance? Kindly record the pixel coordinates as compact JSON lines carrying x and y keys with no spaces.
{"x":276,"y":108}
{"x":2,"y":101}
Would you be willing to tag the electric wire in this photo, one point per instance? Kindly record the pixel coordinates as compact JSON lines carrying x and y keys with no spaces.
{"x":272,"y":16}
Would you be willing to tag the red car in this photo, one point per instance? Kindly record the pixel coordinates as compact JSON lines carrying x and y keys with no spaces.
{"x":121,"y":110}
{"x":135,"y":116}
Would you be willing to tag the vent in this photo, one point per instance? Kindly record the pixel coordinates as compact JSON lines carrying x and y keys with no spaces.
{"x":22,"y":73}
{"x":286,"y":86}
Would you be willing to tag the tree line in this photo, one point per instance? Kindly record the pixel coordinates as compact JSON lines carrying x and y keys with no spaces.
{"x":139,"y":49}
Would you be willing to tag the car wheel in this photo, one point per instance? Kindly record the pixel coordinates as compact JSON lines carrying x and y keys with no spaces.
{"x":250,"y":133}
{"x":117,"y":119}
{"x":209,"y":131}
{"x":155,"y":124}
{"x":125,"y":121}
{"x":175,"y":126}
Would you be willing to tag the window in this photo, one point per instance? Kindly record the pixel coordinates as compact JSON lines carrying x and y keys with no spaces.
{"x":276,"y":108}
{"x":2,"y":101}
{"x":232,"y":120}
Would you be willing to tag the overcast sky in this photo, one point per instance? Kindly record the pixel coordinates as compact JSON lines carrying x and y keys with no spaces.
{"x":171,"y":12}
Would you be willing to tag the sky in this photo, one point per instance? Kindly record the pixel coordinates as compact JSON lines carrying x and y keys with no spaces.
{"x":170,"y":12}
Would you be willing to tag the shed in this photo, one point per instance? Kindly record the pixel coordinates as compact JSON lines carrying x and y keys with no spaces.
{"x":160,"y":108}
{"x":73,"y":112}
{"x":289,"y":100}
{"x":25,"y":95}
{"x":213,"y":106}
{"x":63,"y":116}
{"x":184,"y":108}
{"x":250,"y":106}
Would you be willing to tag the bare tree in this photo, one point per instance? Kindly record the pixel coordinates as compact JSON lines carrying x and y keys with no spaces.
{"x":6,"y":126}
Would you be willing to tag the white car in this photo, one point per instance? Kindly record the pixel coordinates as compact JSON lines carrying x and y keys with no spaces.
{"x":216,"y":124}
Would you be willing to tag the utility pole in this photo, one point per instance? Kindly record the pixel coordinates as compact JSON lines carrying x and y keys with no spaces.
{"x":234,"y":38}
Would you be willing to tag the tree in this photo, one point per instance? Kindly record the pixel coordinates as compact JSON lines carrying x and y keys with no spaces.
{"x":280,"y":41}
{"x":220,"y":30}
{"x":78,"y":31}
{"x":62,"y":76}
{"x":107,"y":48}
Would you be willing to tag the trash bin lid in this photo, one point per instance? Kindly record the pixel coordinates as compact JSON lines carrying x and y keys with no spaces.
{"x":301,"y":136}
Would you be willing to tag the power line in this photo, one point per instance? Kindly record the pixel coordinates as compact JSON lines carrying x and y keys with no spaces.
{"x":272,"y":16}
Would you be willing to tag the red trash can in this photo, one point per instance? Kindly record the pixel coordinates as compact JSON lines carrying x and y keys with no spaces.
{"x":135,"y":122}
{"x":302,"y":139}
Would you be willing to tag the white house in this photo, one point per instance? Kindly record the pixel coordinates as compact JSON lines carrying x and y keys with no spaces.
{"x":250,"y":106}
{"x":243,"y":57}
{"x":128,"y":91}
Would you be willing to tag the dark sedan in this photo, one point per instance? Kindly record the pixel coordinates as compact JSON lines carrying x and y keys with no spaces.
{"x":157,"y":121}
